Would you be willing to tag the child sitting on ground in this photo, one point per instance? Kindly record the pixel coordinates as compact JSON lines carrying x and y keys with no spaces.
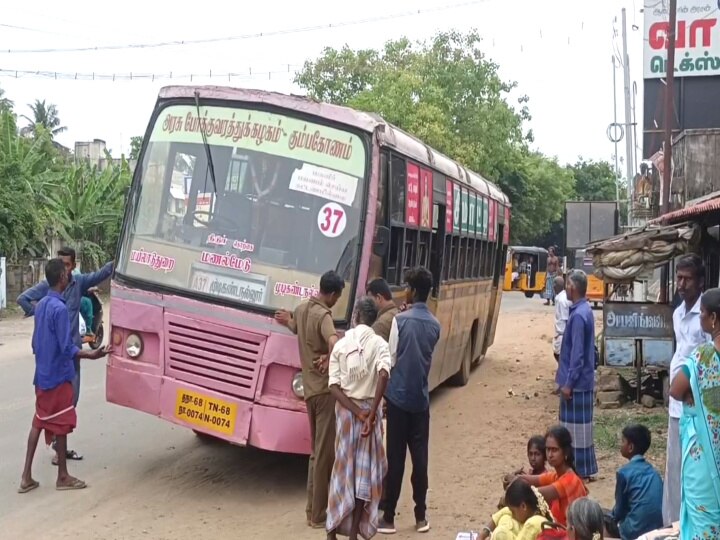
{"x":638,"y":491}
{"x":537,"y":459}
{"x":536,"y":456}
{"x":523,"y":516}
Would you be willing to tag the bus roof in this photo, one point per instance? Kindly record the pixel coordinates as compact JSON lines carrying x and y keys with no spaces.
{"x":388,"y":135}
{"x":528,"y":249}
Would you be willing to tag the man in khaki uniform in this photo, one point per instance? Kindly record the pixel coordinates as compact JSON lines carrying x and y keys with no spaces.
{"x":379,"y":291}
{"x":313,"y":324}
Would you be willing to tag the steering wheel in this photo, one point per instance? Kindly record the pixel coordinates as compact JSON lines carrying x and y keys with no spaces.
{"x":223,"y":222}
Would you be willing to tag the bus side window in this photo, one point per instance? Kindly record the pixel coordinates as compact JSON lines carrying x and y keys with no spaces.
{"x":454,"y":257}
{"x":397,"y":257}
{"x":438,"y":250}
{"x":476,"y":258}
{"x":379,"y":266}
{"x":409,"y":252}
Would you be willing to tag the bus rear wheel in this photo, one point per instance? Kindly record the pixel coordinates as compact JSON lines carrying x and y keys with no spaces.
{"x":462,"y":377}
{"x":529,"y":294}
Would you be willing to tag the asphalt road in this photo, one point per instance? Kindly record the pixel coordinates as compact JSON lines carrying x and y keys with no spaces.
{"x":147,"y":478}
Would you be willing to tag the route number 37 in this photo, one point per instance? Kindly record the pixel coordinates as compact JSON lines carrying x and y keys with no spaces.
{"x":332,"y":220}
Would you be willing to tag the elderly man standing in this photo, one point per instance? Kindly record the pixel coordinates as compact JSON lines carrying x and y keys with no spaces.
{"x":576,"y":375}
{"x":690,"y":279}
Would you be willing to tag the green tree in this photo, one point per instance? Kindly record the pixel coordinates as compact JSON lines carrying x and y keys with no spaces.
{"x":24,"y":172}
{"x":546,"y":186}
{"x":45,"y":115}
{"x":594,"y":180}
{"x":86,"y":208}
{"x":446,"y":92}
{"x":135,"y":147}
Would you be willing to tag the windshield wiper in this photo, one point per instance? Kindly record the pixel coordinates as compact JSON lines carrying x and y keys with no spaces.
{"x":208,"y":153}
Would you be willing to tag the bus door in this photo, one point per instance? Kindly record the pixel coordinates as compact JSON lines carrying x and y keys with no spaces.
{"x":494,"y":306}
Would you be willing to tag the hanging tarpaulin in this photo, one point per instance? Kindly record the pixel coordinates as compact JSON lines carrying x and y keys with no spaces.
{"x":625,"y":257}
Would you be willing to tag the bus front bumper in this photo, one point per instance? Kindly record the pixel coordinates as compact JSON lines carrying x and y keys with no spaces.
{"x":235,"y":420}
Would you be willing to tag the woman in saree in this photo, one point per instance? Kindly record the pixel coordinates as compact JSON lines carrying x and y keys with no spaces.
{"x":561,"y":486}
{"x":698,"y":387}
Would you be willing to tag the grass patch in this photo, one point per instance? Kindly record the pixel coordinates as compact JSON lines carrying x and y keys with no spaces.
{"x":609,"y":426}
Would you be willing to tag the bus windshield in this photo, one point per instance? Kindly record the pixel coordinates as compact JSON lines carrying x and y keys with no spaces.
{"x":284,"y":207}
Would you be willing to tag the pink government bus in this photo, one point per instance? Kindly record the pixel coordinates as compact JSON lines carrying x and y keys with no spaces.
{"x":241,"y":200}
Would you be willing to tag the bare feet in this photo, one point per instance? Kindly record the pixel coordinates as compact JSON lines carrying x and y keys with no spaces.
{"x":69,"y":483}
{"x":27,"y":484}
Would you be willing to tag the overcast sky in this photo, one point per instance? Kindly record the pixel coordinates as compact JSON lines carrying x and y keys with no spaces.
{"x":559,"y":52}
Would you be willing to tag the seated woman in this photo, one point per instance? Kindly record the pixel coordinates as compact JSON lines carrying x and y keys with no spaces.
{"x":561,"y":486}
{"x":697,"y":385}
{"x":522,"y":518}
{"x":584,"y":520}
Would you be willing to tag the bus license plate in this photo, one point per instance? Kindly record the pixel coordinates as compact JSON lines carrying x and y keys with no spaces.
{"x":210,"y":413}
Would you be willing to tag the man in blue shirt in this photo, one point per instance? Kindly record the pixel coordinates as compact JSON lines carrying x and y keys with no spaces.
{"x":77,"y":287}
{"x":638,"y":489}
{"x":55,"y":359}
{"x":576,"y":375}
{"x":413,"y":336}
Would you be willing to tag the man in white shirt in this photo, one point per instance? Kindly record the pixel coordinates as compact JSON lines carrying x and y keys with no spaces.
{"x":690,"y":279}
{"x":562,"y":313}
{"x":358,"y":373}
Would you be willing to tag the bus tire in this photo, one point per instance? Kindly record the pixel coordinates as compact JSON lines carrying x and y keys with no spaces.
{"x":529,"y":294}
{"x":462,"y":377}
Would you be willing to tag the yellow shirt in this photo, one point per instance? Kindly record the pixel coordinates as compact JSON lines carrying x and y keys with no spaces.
{"x":506,"y":527}
{"x":531,"y":528}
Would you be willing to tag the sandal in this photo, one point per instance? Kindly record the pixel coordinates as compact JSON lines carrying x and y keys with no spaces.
{"x":71,"y":455}
{"x":25,"y":489}
{"x":76,"y":484}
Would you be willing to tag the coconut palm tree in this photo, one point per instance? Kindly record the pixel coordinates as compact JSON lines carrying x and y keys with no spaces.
{"x":5,"y":103}
{"x":45,"y":115}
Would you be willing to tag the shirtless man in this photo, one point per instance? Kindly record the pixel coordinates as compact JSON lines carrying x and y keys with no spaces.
{"x":553,"y":265}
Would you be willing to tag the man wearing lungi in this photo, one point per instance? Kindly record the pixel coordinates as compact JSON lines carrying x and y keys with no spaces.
{"x":358,"y":374}
{"x":553,"y":265}
{"x":312,"y":321}
{"x":576,"y":376}
{"x":55,"y":356}
{"x":413,"y":337}
{"x":690,"y":279}
{"x":78,"y":285}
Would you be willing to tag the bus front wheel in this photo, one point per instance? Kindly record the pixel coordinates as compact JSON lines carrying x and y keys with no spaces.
{"x":529,"y":294}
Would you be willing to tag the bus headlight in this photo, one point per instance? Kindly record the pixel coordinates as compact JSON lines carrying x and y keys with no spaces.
{"x":297,"y":385}
{"x":133,"y":345}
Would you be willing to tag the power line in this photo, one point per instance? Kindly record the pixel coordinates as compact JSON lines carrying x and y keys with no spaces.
{"x":328,"y":26}
{"x":37,"y":30}
{"x":78,"y":76}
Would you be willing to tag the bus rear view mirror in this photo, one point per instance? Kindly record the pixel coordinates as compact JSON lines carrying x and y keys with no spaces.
{"x":381,"y":243}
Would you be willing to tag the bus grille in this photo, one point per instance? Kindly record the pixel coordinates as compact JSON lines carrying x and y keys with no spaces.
{"x":220,"y":358}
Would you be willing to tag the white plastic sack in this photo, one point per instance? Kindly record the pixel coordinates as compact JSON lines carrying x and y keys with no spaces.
{"x":83,"y":326}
